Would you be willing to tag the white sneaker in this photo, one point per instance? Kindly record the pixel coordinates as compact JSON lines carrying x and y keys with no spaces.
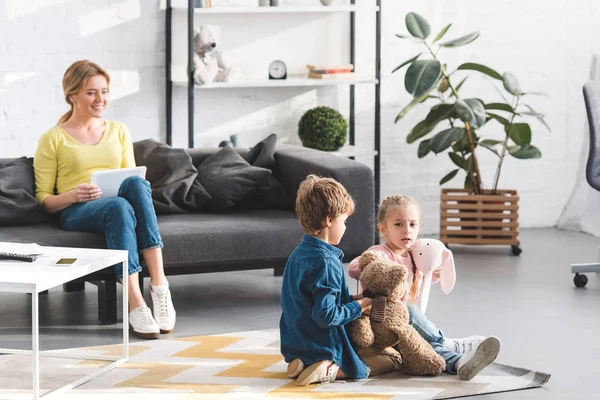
{"x":463,"y":345}
{"x":294,"y":368}
{"x":320,"y":372}
{"x":142,"y":324}
{"x":477,"y":359}
{"x":162,"y":305}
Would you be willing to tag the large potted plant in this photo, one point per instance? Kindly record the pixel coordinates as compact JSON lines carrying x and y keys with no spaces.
{"x":474,"y":214}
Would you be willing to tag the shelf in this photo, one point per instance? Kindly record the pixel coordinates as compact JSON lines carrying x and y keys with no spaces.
{"x":279,"y":10}
{"x":291,"y":82}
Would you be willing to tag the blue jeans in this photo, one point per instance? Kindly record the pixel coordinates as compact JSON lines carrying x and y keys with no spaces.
{"x":128,"y":221}
{"x":434,"y":336}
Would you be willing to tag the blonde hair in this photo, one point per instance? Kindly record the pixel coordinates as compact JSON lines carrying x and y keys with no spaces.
{"x":384,"y":208}
{"x":319,"y":198}
{"x":75,"y":78}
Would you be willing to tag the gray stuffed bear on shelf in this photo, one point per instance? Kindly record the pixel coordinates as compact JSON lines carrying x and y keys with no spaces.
{"x":209,"y":65}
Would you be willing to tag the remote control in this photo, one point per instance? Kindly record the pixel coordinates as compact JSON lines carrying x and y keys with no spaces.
{"x":18,"y":257}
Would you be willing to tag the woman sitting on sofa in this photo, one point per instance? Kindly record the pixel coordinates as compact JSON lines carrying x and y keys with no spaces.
{"x":81,"y":143}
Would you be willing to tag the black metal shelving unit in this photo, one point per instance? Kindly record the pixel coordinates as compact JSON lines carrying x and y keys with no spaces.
{"x":191,"y":88}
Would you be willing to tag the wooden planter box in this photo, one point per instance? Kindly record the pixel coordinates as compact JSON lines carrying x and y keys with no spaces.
{"x":483,"y":219}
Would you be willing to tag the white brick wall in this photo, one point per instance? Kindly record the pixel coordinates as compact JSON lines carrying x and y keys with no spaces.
{"x":547,"y":45}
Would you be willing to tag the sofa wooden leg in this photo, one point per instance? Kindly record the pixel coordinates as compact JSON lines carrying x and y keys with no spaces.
{"x":107,"y":302}
{"x":74,"y":286}
{"x":278,"y":271}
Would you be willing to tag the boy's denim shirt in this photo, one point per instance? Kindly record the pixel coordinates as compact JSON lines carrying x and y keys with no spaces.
{"x":316,"y":305}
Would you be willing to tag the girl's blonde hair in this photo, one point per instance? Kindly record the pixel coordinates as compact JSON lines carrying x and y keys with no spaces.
{"x":384,"y":208}
{"x":319,"y":198}
{"x":75,"y":78}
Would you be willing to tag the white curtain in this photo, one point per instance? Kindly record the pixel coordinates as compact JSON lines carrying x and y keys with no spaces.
{"x":582,"y":212}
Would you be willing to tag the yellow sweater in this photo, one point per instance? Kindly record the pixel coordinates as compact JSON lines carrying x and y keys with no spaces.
{"x":61,"y":162}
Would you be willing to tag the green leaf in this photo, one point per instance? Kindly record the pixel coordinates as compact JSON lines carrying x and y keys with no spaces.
{"x":442,"y":33}
{"x":417,"y":25}
{"x":457,"y":88}
{"x":469,"y":165}
{"x":410,"y":105}
{"x":461,"y":41}
{"x":468,"y":182}
{"x":462,"y":145}
{"x":444,"y":139}
{"x":471,"y":111}
{"x":538,"y":115}
{"x":481,"y":68}
{"x":418,"y":131}
{"x":489,"y":144}
{"x":424,"y":148}
{"x":449,"y":176}
{"x":511,"y":84}
{"x":406,"y":62}
{"x":422,"y":76}
{"x":501,"y":107}
{"x":410,"y":38}
{"x":520,"y":133}
{"x":524,"y":152}
{"x":457,"y":159}
{"x":500,"y":119}
{"x":438,"y":113}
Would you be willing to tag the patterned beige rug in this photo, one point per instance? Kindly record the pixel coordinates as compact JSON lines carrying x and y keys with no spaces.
{"x":245,"y":365}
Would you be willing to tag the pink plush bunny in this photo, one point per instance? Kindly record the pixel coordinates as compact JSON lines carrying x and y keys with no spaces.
{"x":431,"y":255}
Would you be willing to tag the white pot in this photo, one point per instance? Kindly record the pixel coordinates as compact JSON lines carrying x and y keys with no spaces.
{"x":326,"y":2}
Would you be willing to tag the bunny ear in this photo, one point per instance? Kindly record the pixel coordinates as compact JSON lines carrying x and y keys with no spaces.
{"x":447,"y":271}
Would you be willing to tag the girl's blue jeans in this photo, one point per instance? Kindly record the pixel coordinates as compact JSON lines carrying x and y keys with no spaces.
{"x":128,"y":221}
{"x":434,"y":336}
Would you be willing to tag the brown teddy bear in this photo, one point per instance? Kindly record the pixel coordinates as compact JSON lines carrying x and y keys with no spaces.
{"x":388,"y":323}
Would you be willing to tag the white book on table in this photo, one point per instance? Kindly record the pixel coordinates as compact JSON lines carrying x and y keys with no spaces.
{"x":21,"y":248}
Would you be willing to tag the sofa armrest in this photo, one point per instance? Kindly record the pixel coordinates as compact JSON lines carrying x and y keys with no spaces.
{"x":296,"y":162}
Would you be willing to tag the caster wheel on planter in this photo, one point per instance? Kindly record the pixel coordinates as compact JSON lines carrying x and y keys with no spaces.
{"x":516,"y":250}
{"x":580,"y":280}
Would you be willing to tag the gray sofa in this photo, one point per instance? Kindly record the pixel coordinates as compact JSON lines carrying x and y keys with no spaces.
{"x":246,"y":239}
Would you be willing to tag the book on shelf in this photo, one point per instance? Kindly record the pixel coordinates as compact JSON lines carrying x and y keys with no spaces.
{"x":346,"y":75}
{"x":345,"y":67}
{"x":329,"y":71}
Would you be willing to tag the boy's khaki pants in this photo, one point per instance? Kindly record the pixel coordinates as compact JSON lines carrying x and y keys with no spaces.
{"x":380,"y":361}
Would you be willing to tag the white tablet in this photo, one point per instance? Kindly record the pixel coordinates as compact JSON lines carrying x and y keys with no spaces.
{"x":110,"y":180}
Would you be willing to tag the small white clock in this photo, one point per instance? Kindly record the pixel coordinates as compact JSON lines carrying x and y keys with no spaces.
{"x":277,"y":70}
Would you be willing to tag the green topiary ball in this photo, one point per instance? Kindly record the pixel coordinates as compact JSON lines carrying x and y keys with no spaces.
{"x":323,"y":128}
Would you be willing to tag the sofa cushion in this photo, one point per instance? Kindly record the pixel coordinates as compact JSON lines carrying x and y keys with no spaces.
{"x":18,"y":205}
{"x":203,"y":238}
{"x":172,"y":176}
{"x":229,"y":179}
{"x":273,"y":195}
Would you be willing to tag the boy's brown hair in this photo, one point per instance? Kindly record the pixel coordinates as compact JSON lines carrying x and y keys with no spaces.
{"x":319,"y":198}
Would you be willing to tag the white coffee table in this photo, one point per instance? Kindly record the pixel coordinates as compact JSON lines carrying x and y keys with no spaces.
{"x":43,"y":274}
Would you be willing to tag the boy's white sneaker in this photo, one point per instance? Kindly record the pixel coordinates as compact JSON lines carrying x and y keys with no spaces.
{"x":477,"y":359}
{"x":463,"y":345}
{"x":162,"y":305}
{"x":142,"y":324}
{"x":320,"y":372}
{"x":294,"y":368}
